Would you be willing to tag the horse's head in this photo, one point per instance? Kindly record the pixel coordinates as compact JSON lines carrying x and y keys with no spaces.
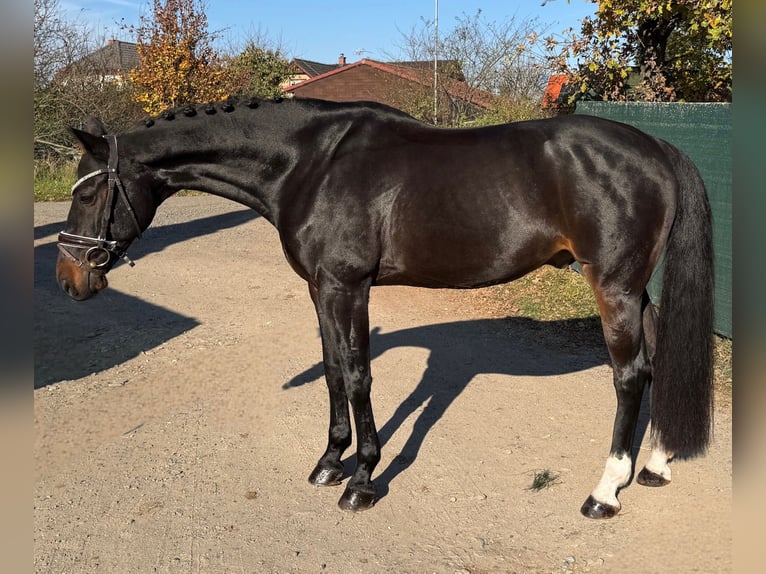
{"x":112,"y":204}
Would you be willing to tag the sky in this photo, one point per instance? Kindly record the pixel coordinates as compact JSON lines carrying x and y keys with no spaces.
{"x":322,"y":30}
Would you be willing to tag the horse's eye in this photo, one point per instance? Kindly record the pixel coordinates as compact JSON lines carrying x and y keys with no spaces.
{"x":87,"y":198}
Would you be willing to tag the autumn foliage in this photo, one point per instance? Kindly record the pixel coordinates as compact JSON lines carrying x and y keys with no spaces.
{"x":178,"y":64}
{"x":650,"y":50}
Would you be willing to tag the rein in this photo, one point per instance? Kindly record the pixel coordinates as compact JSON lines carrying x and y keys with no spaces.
{"x":99,"y":251}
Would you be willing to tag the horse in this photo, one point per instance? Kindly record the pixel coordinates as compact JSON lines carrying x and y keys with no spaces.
{"x":364,"y":195}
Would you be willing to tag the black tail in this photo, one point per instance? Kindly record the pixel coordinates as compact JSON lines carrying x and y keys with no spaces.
{"x":682,"y":380}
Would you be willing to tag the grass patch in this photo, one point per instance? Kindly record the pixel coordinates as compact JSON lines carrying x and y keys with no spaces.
{"x":53,"y":180}
{"x":722,"y":354}
{"x":549,"y":294}
{"x":543,"y":479}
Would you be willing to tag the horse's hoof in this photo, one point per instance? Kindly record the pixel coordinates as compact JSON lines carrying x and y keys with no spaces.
{"x":357,"y":500}
{"x":649,"y":478}
{"x":595,"y":509}
{"x":326,"y":476}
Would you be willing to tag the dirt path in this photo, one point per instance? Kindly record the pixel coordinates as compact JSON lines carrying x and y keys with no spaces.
{"x":178,"y":414}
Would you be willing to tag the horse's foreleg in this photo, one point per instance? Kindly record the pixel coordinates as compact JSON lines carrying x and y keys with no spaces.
{"x":329,"y":469}
{"x":344,"y":325}
{"x":621,"y":318}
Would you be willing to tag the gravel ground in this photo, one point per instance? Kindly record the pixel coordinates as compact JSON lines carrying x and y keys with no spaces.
{"x":178,"y":414}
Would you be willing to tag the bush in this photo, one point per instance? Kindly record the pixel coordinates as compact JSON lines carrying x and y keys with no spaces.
{"x":511,"y":111}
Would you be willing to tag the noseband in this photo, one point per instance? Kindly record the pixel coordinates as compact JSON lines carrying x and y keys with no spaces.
{"x":99,"y":251}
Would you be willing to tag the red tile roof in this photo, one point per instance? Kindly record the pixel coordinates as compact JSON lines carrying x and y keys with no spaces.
{"x":409,"y":71}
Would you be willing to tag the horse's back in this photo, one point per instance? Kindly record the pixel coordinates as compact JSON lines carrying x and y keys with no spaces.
{"x":480,"y":206}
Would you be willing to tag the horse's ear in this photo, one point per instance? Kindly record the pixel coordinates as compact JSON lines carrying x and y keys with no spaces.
{"x":91,"y":143}
{"x":94,"y":126}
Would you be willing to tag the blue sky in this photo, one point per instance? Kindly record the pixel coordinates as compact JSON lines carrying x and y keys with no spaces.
{"x":321,"y":30}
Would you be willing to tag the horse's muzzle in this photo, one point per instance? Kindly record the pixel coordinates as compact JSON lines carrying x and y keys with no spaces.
{"x":79,"y":281}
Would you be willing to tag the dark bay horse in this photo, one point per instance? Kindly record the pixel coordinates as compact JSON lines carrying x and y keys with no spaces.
{"x":364,"y":195}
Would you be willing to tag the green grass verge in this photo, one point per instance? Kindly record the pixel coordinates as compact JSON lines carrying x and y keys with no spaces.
{"x":53,"y":181}
{"x":550,"y":294}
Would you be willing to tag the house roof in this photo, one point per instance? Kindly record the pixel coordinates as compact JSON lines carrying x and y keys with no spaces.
{"x":452,"y":67}
{"x":314,"y":68}
{"x":552,"y":98}
{"x":116,"y":56}
{"x":418,"y":72}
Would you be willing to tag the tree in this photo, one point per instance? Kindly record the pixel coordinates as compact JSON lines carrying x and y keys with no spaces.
{"x":55,"y":45}
{"x":57,"y":41}
{"x":178,"y":64}
{"x":490,"y":57}
{"x":68,"y":85}
{"x":652,"y":50}
{"x":258,"y":71}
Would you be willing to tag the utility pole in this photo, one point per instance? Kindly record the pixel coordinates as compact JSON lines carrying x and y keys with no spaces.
{"x":436,"y":60}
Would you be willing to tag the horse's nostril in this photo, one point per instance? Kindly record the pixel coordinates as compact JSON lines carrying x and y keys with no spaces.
{"x":68,"y":289}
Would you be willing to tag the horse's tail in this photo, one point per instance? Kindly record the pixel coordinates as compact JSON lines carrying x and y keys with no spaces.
{"x":682,"y":380}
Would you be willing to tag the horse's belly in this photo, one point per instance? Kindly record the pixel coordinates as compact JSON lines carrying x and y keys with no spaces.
{"x":460,"y":259}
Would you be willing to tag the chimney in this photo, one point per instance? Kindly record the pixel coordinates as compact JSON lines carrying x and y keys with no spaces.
{"x":112,"y":41}
{"x":341,"y":60}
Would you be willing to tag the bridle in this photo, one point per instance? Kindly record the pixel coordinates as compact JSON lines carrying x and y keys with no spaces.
{"x":99,"y":251}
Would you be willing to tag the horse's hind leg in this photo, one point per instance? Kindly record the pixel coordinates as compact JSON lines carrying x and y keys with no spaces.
{"x":621,"y":317}
{"x":656,"y":472}
{"x":344,"y":325}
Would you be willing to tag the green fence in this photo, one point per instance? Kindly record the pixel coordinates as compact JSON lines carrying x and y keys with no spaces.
{"x":703,"y":132}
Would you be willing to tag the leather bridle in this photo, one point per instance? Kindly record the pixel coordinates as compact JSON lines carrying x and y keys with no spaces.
{"x":99,"y":252}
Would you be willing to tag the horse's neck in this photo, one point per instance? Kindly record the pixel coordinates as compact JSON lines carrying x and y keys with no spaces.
{"x":237,"y":161}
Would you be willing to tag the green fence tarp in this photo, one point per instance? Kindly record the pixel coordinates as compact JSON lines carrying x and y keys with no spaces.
{"x":703,"y":132}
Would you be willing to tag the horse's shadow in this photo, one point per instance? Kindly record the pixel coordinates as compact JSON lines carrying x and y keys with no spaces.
{"x":461,"y":350}
{"x":73,"y":340}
